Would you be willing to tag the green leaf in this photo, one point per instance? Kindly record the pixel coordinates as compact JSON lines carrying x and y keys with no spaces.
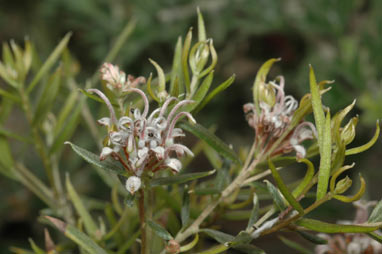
{"x":48,"y":96}
{"x":35,"y":248}
{"x":219,"y":236}
{"x":161,"y":78}
{"x":215,"y":142}
{"x":185,"y":211}
{"x":376,"y":214}
{"x":159,"y":230}
{"x":261,"y":77}
{"x":107,"y":164}
{"x":215,"y":92}
{"x":6,"y":159}
{"x":284,"y":189}
{"x":185,"y":51}
{"x":9,"y":95}
{"x":176,"y":71}
{"x":307,"y":178}
{"x":53,"y":57}
{"x":366,"y":146}
{"x":202,"y":35}
{"x":249,"y":249}
{"x":5,"y":75}
{"x":296,"y":246}
{"x":90,"y":226}
{"x":312,"y":238}
{"x":375,"y":236}
{"x":179,"y":178}
{"x":254,"y":213}
{"x":325,"y":159}
{"x":200,"y":93}
{"x":77,"y":236}
{"x":65,"y":111}
{"x":215,"y":250}
{"x":190,"y":245}
{"x":319,"y":226}
{"x":91,"y":96}
{"x":9,"y":134}
{"x":276,"y":196}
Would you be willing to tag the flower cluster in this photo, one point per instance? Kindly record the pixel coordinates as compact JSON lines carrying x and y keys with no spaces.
{"x":273,"y":118}
{"x":351,"y":243}
{"x":141,"y":141}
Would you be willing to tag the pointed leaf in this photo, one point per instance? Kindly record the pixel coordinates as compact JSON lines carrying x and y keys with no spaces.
{"x":219,"y":236}
{"x":53,"y":57}
{"x":324,"y":227}
{"x":176,"y":84}
{"x":295,"y":245}
{"x":376,"y":214}
{"x":92,"y":158}
{"x":215,"y":142}
{"x":284,"y":189}
{"x":185,"y":211}
{"x":307,"y":178}
{"x":255,"y":212}
{"x":276,"y":196}
{"x":180,"y":178}
{"x":190,"y":245}
{"x":200,"y":93}
{"x":318,"y":111}
{"x":159,"y":230}
{"x":202,"y":35}
{"x":90,"y":226}
{"x":185,"y":52}
{"x":312,"y":238}
{"x":366,"y":146}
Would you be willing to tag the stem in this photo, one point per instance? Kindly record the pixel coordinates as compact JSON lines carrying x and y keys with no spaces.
{"x":39,"y":143}
{"x":141,"y":207}
{"x":237,"y":183}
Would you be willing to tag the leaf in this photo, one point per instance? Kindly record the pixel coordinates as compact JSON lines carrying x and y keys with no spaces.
{"x":202,"y":35}
{"x":284,"y":189}
{"x":50,"y":61}
{"x":307,"y":178}
{"x":215,"y":250}
{"x":161,"y":78}
{"x":219,"y":236}
{"x":77,"y":236}
{"x":185,"y":51}
{"x":212,"y":140}
{"x":179,"y":178}
{"x":190,"y":245}
{"x":90,"y":226}
{"x":200,"y":93}
{"x":9,"y":95}
{"x":366,"y":146}
{"x":325,"y":159}
{"x":7,"y":161}
{"x":249,"y":249}
{"x":312,"y":238}
{"x":215,"y":92}
{"x":254,"y":213}
{"x":159,"y":230}
{"x":9,"y":134}
{"x":324,"y":227}
{"x":375,"y":236}
{"x":376,"y":214}
{"x":91,"y":96}
{"x":295,"y":245}
{"x":356,"y":196}
{"x":176,"y":70}
{"x":48,"y":96}
{"x":261,"y":77}
{"x":35,"y":248}
{"x":276,"y":196}
{"x":92,"y":158}
{"x":185,"y":211}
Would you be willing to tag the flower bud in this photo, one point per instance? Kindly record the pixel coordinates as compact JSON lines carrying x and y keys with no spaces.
{"x":267,"y":94}
{"x":348,"y":132}
{"x":173,"y":247}
{"x":133,"y":184}
{"x":343,"y":185}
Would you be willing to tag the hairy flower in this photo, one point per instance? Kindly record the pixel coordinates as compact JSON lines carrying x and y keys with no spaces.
{"x":351,"y":243}
{"x":146,"y":141}
{"x":274,"y":117}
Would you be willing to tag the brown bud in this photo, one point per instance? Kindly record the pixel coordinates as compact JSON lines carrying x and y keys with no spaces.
{"x":172,"y":247}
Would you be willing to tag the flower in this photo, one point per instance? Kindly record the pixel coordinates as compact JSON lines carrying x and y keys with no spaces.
{"x":274,"y":117}
{"x":142,"y":141}
{"x":351,"y":243}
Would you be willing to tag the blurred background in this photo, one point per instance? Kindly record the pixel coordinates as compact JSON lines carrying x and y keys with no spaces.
{"x":342,"y":39}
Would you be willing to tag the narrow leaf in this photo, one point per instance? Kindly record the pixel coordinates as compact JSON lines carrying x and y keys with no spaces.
{"x":176,"y":86}
{"x":219,"y":236}
{"x":295,"y":245}
{"x":276,"y":196}
{"x":159,"y":230}
{"x":319,"y":226}
{"x":376,"y":214}
{"x":215,"y":142}
{"x":53,"y":57}
{"x":77,"y":236}
{"x":318,"y":111}
{"x":9,"y":95}
{"x":190,"y":245}
{"x":366,"y":146}
{"x":375,"y":236}
{"x":179,"y":179}
{"x":215,"y":92}
{"x":92,"y":158}
{"x":325,"y":159}
{"x":307,"y":178}
{"x":200,"y":93}
{"x":284,"y":189}
{"x":312,"y":238}
{"x":202,"y":35}
{"x":185,"y":211}
{"x":84,"y":214}
{"x":161,"y":77}
{"x":254,"y":213}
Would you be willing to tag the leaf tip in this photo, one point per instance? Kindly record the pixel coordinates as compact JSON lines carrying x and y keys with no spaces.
{"x":59,"y":224}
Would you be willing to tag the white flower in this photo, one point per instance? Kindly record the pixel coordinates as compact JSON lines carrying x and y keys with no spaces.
{"x":106,"y":151}
{"x":133,"y":184}
{"x":174,"y":164}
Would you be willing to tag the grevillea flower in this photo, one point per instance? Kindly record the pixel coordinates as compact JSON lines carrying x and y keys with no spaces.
{"x":142,"y":141}
{"x":273,"y":119}
{"x":351,"y":243}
